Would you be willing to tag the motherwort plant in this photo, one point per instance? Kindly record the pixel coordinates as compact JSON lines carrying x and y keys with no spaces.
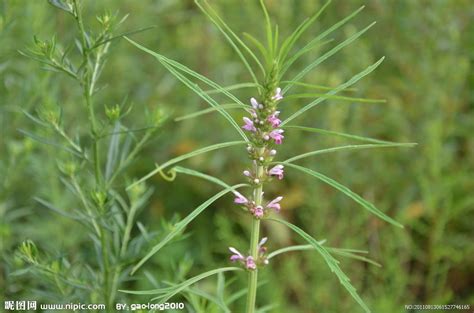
{"x":92,"y":162}
{"x":264,"y":128}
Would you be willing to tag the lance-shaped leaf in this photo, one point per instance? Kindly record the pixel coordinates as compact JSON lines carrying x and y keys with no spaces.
{"x":268,"y":28}
{"x":343,"y":86}
{"x":160,"y":168}
{"x":233,"y":87}
{"x":179,"y":227}
{"x":349,"y":253}
{"x":224,"y":29}
{"x":343,"y":98}
{"x":187,"y":171}
{"x":170,"y":65}
{"x":309,"y":46}
{"x":339,"y":134}
{"x":327,"y":55}
{"x":299,"y":31}
{"x":311,"y":86}
{"x":347,"y":147}
{"x":168,"y":292}
{"x":331,"y":182}
{"x":329,"y":259}
{"x":211,"y":110}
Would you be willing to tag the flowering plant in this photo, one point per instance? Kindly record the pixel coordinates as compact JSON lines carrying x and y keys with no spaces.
{"x":262,"y":131}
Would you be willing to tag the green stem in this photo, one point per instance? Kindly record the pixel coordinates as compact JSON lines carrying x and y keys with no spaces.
{"x":254,"y":238}
{"x":253,"y":275}
{"x":88,"y":83}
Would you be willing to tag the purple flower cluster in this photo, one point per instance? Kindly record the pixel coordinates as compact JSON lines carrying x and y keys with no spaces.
{"x":258,"y":211}
{"x":249,"y":262}
{"x":263,"y":125}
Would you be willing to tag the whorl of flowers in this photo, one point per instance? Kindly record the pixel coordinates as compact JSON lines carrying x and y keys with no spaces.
{"x":263,"y":127}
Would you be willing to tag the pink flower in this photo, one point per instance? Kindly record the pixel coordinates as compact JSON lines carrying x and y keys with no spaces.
{"x":277,"y":170}
{"x":276,"y":135}
{"x":258,"y":211}
{"x":278,"y":95}
{"x":239,"y":199}
{"x":250,"y":263}
{"x":249,"y":125}
{"x":274,"y":120}
{"x":236,"y":256}
{"x":274,"y":204}
{"x":254,"y":103}
{"x":262,"y":242}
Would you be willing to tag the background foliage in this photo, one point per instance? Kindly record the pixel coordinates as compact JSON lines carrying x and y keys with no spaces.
{"x":427,"y":79}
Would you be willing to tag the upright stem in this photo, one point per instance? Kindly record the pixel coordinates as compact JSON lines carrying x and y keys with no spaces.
{"x":254,"y":238}
{"x":88,"y":84}
{"x":253,"y":275}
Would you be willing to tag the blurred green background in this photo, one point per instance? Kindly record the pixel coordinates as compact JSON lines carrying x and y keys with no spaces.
{"x":427,"y":79}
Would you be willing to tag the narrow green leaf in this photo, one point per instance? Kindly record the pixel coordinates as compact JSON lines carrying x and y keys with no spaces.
{"x":268,"y":28}
{"x":299,"y":31}
{"x":343,"y":86}
{"x":169,"y":64}
{"x":34,"y":119}
{"x":172,"y":288}
{"x":233,"y":87}
{"x":211,"y":110}
{"x":231,"y":42}
{"x":311,"y":86}
{"x":343,"y":98}
{"x":206,"y":295}
{"x":339,"y":134}
{"x":259,"y":46}
{"x":50,"y":143}
{"x":329,"y":259}
{"x":184,"y":157}
{"x":239,"y":41}
{"x":331,"y":182}
{"x":317,"y":44}
{"x":327,"y":55}
{"x":349,"y":253}
{"x":187,"y":171}
{"x":132,"y":32}
{"x":293,"y":248}
{"x":194,"y":280}
{"x":179,"y":227}
{"x":347,"y":147}
{"x":323,"y":35}
{"x":206,"y":97}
